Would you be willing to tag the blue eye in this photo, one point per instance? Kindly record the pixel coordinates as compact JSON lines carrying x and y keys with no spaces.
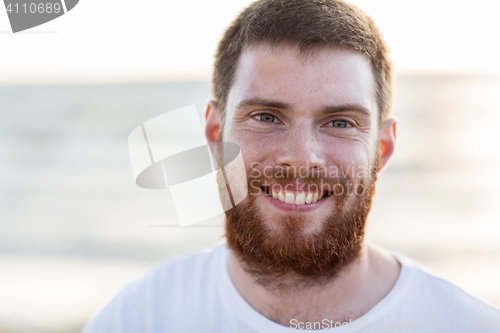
{"x":340,"y":123}
{"x":266,"y":117}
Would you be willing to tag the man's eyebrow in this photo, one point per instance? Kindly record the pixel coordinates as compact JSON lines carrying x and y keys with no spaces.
{"x":327,"y":110}
{"x":263,"y":102}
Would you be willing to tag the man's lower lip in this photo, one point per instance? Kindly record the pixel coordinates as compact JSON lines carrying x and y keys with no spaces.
{"x":292,"y":207}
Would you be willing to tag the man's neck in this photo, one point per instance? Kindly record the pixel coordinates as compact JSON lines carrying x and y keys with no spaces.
{"x":357,"y":288}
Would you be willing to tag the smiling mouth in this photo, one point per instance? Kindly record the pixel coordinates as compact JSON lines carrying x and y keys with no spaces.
{"x":296,"y":198}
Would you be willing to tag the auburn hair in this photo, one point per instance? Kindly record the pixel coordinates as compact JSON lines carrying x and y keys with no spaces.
{"x":310,"y":25}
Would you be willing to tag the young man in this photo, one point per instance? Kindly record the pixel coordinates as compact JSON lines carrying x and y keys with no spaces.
{"x":304,"y":88}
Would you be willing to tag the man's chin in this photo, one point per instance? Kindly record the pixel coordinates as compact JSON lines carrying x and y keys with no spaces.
{"x":278,"y":240}
{"x":292,"y":245}
{"x":304,"y":224}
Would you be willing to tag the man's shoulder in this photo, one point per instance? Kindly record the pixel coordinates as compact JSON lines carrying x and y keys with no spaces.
{"x":194,"y":268}
{"x":430,"y":291}
{"x":162,"y":294}
{"x":188,"y":266}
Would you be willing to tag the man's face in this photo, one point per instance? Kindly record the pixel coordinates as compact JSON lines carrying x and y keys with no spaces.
{"x":315,"y":114}
{"x":307,"y":128}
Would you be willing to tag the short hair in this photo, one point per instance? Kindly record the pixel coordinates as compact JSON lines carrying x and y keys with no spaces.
{"x":310,"y":25}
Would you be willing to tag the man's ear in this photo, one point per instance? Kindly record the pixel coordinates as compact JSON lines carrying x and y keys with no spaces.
{"x":212,"y":121}
{"x":387,"y":141}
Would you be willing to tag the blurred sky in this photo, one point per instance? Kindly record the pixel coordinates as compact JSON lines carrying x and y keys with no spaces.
{"x":150,"y":40}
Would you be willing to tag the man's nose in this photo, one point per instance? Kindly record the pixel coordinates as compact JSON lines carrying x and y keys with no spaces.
{"x":301,"y":148}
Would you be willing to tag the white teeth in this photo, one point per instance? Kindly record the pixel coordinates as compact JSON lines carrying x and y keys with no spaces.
{"x":300,"y":199}
{"x":296,"y":198}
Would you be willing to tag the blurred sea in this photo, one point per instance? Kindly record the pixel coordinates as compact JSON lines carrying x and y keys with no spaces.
{"x":74,"y":228}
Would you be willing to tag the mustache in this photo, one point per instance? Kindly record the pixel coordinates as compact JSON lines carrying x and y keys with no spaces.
{"x":280,"y":180}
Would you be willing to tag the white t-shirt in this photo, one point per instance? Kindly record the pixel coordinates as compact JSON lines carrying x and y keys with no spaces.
{"x":194,"y":293}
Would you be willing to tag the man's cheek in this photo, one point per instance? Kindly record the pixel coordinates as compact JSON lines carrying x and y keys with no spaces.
{"x":254,"y":171}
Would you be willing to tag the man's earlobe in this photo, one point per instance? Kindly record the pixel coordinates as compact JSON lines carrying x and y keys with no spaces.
{"x":212,"y":121}
{"x":387,"y":141}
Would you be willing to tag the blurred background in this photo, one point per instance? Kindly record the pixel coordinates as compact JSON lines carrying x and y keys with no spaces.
{"x":74,"y":228}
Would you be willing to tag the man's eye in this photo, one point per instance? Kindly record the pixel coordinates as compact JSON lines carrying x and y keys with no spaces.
{"x":340,"y":123}
{"x":268,"y":118}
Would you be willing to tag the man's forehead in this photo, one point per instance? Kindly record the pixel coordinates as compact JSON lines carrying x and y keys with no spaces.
{"x":336,"y":60}
{"x":322,"y":77}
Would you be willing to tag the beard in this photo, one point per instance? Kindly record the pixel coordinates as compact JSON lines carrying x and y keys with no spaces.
{"x":281,"y":254}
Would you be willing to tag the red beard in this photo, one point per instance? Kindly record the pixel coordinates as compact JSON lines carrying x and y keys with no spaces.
{"x":291,"y":257}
